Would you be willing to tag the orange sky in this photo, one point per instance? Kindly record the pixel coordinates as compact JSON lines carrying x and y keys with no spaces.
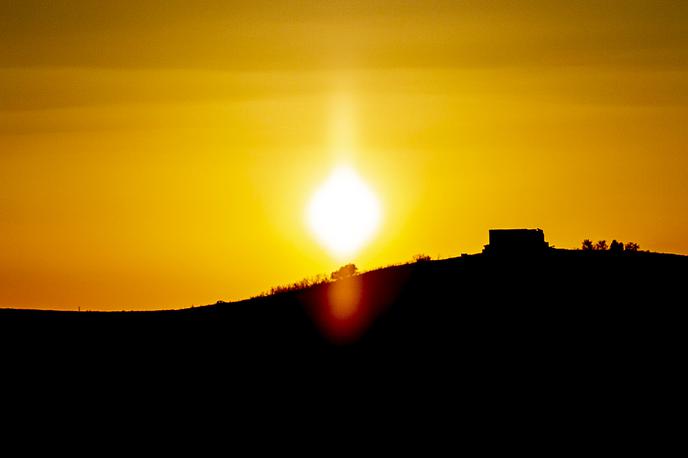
{"x":159,"y":154}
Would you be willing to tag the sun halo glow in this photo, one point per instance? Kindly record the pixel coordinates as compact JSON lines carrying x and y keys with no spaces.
{"x":344,"y":213}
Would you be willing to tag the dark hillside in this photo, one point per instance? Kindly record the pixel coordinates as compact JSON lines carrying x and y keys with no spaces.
{"x":554,"y":336}
{"x":560,"y":303}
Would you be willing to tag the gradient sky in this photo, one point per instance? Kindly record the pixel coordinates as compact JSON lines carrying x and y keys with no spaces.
{"x":159,"y":154}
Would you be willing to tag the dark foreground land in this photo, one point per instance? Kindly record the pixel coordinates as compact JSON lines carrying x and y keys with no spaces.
{"x":592,"y":340}
{"x":563,"y":309}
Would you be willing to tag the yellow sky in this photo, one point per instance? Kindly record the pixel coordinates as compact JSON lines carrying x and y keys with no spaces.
{"x":162,"y":154}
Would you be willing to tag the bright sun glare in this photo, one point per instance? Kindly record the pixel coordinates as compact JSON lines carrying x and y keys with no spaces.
{"x":344,"y":212}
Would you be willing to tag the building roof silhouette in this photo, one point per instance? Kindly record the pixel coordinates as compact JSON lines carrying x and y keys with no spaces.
{"x":516,"y":241}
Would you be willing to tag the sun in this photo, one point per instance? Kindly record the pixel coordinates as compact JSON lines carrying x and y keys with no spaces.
{"x":344,"y":213}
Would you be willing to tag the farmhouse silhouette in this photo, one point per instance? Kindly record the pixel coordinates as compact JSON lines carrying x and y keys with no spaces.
{"x":515,"y":242}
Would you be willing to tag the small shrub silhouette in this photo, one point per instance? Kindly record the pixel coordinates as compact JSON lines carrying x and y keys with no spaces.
{"x":346,"y":271}
{"x":601,"y":245}
{"x":616,"y":247}
{"x":421,"y":258}
{"x":296,"y":286}
{"x":587,"y":245}
{"x":632,"y":246}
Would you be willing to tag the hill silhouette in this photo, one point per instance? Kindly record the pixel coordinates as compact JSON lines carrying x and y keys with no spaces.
{"x":513,"y":345}
{"x":553,"y":336}
{"x":550,"y":306}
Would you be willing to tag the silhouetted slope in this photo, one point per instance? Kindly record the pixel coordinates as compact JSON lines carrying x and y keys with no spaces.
{"x":563,"y":304}
{"x":569,"y":338}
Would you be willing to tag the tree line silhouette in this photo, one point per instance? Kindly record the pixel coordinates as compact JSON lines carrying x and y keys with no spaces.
{"x":614,"y":247}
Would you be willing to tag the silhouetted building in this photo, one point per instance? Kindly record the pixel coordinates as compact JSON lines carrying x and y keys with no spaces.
{"x":516,"y":242}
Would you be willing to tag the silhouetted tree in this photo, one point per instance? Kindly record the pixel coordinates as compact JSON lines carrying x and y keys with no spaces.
{"x":421,"y":258}
{"x":348,"y":270}
{"x":616,"y":247}
{"x":588,"y":245}
{"x":632,"y":246}
{"x":601,"y":245}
